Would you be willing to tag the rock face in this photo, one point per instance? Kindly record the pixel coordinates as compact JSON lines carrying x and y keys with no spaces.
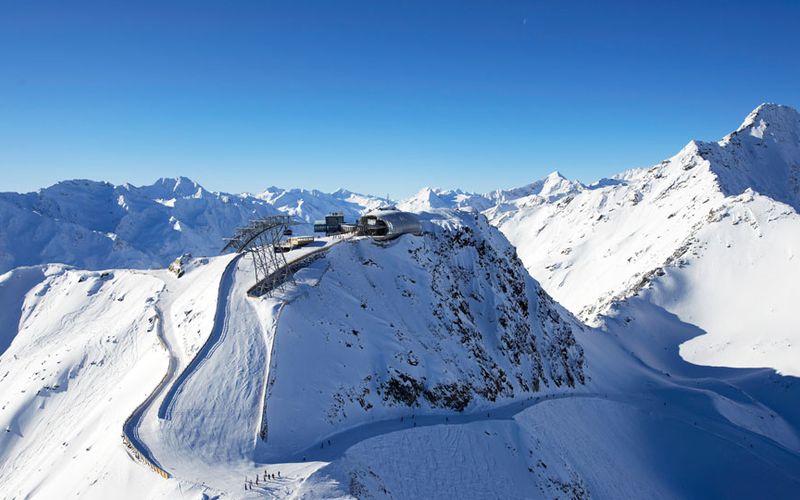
{"x":713,"y":230}
{"x":446,"y":322}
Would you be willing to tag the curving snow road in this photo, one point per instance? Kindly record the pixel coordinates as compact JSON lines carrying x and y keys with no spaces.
{"x":173,"y":383}
{"x":225,"y":285}
{"x":130,"y":429}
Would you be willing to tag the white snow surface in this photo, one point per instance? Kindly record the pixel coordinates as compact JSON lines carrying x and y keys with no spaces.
{"x":430,"y":366}
{"x":97,"y":225}
{"x":720,"y":219}
{"x":448,"y":321}
{"x":463,"y":379}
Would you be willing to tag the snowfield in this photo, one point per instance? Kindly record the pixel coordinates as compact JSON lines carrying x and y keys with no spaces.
{"x":713,"y":230}
{"x":434,"y":366}
{"x":85,"y":356}
{"x":513,"y":402}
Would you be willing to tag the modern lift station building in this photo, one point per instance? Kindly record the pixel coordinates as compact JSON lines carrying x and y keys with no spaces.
{"x":388,"y":223}
{"x":332,"y":224}
{"x":384,"y":223}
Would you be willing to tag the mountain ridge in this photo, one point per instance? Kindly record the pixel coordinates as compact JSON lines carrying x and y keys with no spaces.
{"x":716,"y":212}
{"x":96,"y":224}
{"x":440,"y":365}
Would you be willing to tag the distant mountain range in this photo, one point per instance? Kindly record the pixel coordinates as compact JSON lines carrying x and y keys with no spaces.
{"x":589,"y":245}
{"x":96,"y":225}
{"x":559,"y":340}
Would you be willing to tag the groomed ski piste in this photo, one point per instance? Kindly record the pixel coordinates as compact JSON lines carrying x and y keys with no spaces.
{"x":349,"y":383}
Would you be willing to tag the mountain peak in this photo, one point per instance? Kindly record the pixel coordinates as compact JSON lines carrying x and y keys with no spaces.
{"x":431,"y":197}
{"x":762,"y":155}
{"x":771,"y":120}
{"x":177,"y":186}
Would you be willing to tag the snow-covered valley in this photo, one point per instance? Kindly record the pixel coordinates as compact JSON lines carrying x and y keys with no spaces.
{"x":632,"y":338}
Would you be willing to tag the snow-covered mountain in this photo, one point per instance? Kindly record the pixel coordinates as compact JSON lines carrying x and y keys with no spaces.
{"x":310,"y":205}
{"x":434,"y":198}
{"x":430,"y":366}
{"x":552,"y":188}
{"x":448,"y":322}
{"x":392,"y":331}
{"x":98,"y":225}
{"x":713,"y":230}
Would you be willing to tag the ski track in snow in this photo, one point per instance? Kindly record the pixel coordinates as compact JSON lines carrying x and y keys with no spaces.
{"x":214,"y":338}
{"x":131,"y":427}
{"x":661,"y":401}
{"x":646,"y":254}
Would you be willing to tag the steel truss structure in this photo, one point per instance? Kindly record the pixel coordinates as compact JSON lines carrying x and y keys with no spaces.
{"x":262,"y":240}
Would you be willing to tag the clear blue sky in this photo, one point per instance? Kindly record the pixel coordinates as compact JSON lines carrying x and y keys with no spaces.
{"x":377,"y":96}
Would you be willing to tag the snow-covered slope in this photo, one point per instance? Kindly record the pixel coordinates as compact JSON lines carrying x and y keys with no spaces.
{"x":719,"y":218}
{"x":738,"y":280}
{"x":376,"y":356}
{"x":84,"y":357}
{"x":428,"y":366}
{"x":445,"y":323}
{"x":763,"y":154}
